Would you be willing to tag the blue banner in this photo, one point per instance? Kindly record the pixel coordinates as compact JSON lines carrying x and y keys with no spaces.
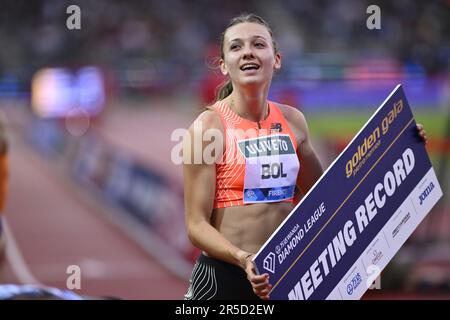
{"x":337,"y":240}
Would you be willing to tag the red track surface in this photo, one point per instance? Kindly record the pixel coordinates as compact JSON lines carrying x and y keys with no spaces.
{"x":56,"y":225}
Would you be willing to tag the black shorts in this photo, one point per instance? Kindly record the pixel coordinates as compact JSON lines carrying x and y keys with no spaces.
{"x":214,"y":279}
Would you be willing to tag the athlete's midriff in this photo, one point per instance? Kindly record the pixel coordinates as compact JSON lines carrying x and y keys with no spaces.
{"x":249,"y":226}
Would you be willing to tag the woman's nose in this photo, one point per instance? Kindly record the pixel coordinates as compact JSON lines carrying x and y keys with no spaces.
{"x":247,"y":52}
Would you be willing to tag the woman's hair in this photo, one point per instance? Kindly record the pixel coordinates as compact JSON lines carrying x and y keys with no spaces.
{"x":225,"y":89}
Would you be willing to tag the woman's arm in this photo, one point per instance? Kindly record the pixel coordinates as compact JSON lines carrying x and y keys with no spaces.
{"x":199,"y":191}
{"x":310,"y":166}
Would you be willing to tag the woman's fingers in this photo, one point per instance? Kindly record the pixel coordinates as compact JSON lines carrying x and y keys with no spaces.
{"x":258,"y":279}
{"x":261,"y":286}
{"x":260,"y":283}
{"x":422,"y":133}
{"x":263,"y":294}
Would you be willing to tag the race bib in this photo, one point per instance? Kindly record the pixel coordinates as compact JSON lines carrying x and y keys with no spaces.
{"x":271,"y":168}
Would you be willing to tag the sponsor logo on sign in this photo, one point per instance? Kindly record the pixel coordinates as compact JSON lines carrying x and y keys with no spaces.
{"x":425,"y":194}
{"x":404,"y":220}
{"x":354,"y":283}
{"x":269,"y":262}
{"x":377,"y":255}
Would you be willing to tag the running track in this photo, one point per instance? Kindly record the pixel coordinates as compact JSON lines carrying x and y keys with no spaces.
{"x":54,"y":224}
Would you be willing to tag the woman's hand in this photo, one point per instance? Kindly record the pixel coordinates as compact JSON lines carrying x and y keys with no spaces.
{"x":422,"y":133}
{"x":260,"y":283}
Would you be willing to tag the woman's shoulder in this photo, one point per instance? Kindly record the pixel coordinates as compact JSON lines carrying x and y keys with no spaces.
{"x":292,"y":115}
{"x":207,"y":119}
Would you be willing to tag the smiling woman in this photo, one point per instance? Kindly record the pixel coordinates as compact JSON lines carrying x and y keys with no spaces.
{"x":234,"y":204}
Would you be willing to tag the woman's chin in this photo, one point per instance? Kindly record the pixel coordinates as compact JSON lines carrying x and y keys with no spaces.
{"x":251,"y":81}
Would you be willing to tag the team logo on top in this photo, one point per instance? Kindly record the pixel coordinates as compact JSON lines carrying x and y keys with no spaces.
{"x":269,"y":262}
{"x":275,"y":127}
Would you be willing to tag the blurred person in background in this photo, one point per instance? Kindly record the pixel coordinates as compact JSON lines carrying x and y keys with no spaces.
{"x":233,"y":205}
{"x":3,"y":190}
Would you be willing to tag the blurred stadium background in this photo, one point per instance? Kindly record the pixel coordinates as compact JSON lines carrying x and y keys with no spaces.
{"x":89,"y":115}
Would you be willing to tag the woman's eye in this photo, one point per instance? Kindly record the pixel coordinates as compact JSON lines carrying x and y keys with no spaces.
{"x":260,"y":45}
{"x":234,"y":47}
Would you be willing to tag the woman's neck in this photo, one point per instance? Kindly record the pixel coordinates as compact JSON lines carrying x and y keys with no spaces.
{"x":252,"y":107}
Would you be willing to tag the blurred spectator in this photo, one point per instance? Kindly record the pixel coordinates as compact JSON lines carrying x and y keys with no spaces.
{"x":167,"y":40}
{"x":3,"y":189}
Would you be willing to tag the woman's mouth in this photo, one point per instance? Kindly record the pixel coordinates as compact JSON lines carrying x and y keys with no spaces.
{"x":249,"y":67}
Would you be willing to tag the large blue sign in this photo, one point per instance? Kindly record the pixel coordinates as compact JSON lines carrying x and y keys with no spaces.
{"x":337,"y":240}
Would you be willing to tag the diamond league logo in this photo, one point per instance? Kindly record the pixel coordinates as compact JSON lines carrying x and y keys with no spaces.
{"x":269,"y":262}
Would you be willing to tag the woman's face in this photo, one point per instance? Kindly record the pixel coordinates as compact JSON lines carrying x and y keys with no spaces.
{"x":249,"y":56}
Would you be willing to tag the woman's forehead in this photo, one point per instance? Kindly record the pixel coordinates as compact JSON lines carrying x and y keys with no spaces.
{"x":247,"y":30}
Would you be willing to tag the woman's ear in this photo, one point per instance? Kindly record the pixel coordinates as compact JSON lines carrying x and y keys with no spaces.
{"x":277,"y":65}
{"x":223,"y":67}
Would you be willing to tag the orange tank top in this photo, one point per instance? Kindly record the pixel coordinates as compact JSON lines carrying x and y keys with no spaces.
{"x":259,"y":163}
